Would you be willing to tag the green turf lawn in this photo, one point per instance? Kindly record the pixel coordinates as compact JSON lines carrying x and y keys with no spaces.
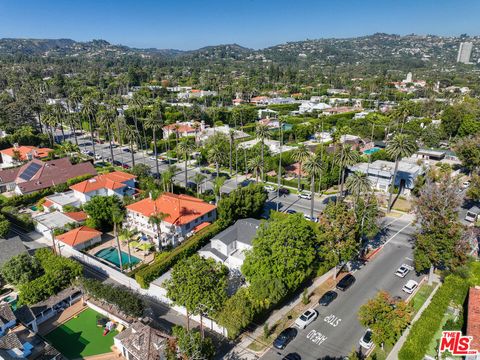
{"x":80,"y":337}
{"x":421,"y":296}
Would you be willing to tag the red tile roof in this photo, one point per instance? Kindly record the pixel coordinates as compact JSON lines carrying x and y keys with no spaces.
{"x":25,"y":150}
{"x":47,"y":203}
{"x":473,"y":317}
{"x":181,"y":128}
{"x":181,"y":209}
{"x":295,"y":169}
{"x":114,"y":180}
{"x":78,"y":216}
{"x":78,"y":236}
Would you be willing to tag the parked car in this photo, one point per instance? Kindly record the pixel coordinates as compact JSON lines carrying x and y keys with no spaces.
{"x":126,"y":166}
{"x":410,"y":286}
{"x":205,"y":171}
{"x":284,"y":338}
{"x":291,"y":211}
{"x":305,"y":195}
{"x":98,"y":157}
{"x":284,"y":191}
{"x":307,"y":217}
{"x":192,"y":185}
{"x":346,"y":282}
{"x":306,"y":318}
{"x":269,"y":188}
{"x":327,"y":298}
{"x":403,"y":270}
{"x":292,"y":356}
{"x":366,"y":340}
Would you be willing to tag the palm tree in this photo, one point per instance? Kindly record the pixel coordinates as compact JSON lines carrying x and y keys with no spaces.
{"x":402,"y":145}
{"x":313,"y":166}
{"x":300,"y":154}
{"x":262,"y":132}
{"x":155,"y":124}
{"x":106,"y":119}
{"x":50,"y":121}
{"x":196,"y":126}
{"x":156,"y":220}
{"x":217,"y":187}
{"x":60,"y":113}
{"x":231,"y":138}
{"x":117,"y":218}
{"x":72,"y":120}
{"x":255,"y":164}
{"x":184,"y":148}
{"x":216,"y":155}
{"x":138,"y":102}
{"x":358,"y":183}
{"x":168,"y":177}
{"x":131,"y":136}
{"x":89,"y":110}
{"x":346,"y":157}
{"x":198,"y":178}
{"x":126,"y":235}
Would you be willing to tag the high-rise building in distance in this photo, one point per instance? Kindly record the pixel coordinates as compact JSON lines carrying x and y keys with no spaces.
{"x":464,"y":52}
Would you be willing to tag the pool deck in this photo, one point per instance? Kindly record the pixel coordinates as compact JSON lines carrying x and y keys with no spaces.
{"x":123,"y":246}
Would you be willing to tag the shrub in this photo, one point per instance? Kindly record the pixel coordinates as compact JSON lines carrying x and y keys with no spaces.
{"x":21,"y":269}
{"x":162,"y":264}
{"x":125,"y":300}
{"x":4,"y":226}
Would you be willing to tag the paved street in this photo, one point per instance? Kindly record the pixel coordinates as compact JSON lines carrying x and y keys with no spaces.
{"x":337,"y":337}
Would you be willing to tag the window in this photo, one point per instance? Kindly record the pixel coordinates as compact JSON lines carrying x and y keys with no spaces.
{"x":188,"y":226}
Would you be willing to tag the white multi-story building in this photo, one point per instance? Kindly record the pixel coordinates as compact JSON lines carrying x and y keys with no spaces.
{"x":464,"y":52}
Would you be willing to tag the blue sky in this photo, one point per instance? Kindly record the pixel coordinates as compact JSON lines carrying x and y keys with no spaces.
{"x":190,"y":24}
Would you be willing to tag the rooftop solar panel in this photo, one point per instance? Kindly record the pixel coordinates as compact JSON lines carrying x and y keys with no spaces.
{"x":30,"y":171}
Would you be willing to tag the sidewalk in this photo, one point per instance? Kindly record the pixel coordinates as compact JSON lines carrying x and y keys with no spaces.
{"x":394,"y":353}
{"x":240,"y":351}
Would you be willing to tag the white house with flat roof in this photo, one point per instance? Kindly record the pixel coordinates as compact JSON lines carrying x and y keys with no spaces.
{"x":273,"y":145}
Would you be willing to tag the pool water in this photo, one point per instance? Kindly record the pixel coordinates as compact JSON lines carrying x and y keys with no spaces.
{"x":110,"y":254}
{"x":371,"y":151}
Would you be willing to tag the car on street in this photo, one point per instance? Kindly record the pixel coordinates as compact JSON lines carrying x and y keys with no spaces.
{"x":306,"y":318}
{"x":192,"y":185}
{"x":403,"y":270}
{"x":292,"y":356}
{"x":290,"y":211}
{"x":269,"y":188}
{"x":410,"y":286}
{"x":307,"y":217}
{"x":366,"y":341}
{"x":127,"y":150}
{"x":305,"y":195}
{"x":205,"y":171}
{"x":284,"y":191}
{"x":98,"y":157}
{"x":284,"y":338}
{"x":327,"y":298}
{"x":89,"y":153}
{"x":153,"y":157}
{"x":346,"y":282}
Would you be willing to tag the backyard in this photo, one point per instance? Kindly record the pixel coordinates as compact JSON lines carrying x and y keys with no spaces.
{"x":80,"y":336}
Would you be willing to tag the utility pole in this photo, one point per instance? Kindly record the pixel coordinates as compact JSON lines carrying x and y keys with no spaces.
{"x":279,"y":164}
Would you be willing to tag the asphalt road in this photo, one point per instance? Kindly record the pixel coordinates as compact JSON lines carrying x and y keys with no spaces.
{"x":321,"y":339}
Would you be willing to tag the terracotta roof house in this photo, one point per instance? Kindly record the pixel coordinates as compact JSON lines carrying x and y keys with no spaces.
{"x":473,"y":320}
{"x":183,"y":128}
{"x":115,"y":183}
{"x":294,"y":170}
{"x":46,"y":222}
{"x":79,"y":238}
{"x":24,"y":153}
{"x":182,"y":214}
{"x":37,"y":175}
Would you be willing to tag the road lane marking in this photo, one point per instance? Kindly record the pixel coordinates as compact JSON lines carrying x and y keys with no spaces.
{"x":332,"y":320}
{"x":316,"y":337}
{"x":398,"y":232}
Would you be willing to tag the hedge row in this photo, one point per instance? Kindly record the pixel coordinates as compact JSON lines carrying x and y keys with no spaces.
{"x":22,"y":220}
{"x":145,"y":275}
{"x":453,"y":289}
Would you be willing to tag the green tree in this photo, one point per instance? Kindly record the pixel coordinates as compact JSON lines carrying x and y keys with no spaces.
{"x":314,"y":168}
{"x":358,"y":184}
{"x":4,"y":226}
{"x":262,"y":132}
{"x":300,"y":155}
{"x":468,"y":151}
{"x":184,"y":149}
{"x":255,"y":165}
{"x":386,"y":317}
{"x":281,"y":258}
{"x":473,"y":191}
{"x":345,"y":157}
{"x":117,"y":219}
{"x":100,"y":211}
{"x":191,"y":344}
{"x":155,"y":124}
{"x":21,"y":269}
{"x":217,"y":187}
{"x":400,"y":146}
{"x":237,"y":313}
{"x":198,"y":284}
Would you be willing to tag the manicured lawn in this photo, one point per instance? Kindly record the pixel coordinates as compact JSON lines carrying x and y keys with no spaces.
{"x":432,"y":348}
{"x":421,"y":296}
{"x":80,"y":337}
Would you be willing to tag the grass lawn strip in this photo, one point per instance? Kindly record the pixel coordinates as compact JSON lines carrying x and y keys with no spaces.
{"x":80,"y":336}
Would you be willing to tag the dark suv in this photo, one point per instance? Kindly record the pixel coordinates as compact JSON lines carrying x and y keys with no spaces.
{"x":346,"y":282}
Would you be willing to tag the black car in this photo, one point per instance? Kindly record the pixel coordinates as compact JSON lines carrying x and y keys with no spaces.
{"x":285,"y":337}
{"x":292,"y":356}
{"x":291,"y":211}
{"x":117,"y":163}
{"x":327,"y":298}
{"x":346,"y":282}
{"x":283,"y":191}
{"x":205,"y":171}
{"x":224,"y":175}
{"x":191,"y":185}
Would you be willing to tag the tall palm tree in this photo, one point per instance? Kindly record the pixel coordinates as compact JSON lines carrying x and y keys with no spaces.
{"x":184,"y":148}
{"x":196,"y":126}
{"x":217,"y":187}
{"x":156,"y":220}
{"x":138,"y":103}
{"x":231,"y":139}
{"x":346,"y":157}
{"x":155,"y":123}
{"x":126,"y":235}
{"x":198,"y":178}
{"x":60,"y":113}
{"x":73,"y":121}
{"x":300,"y":154}
{"x":402,"y":145}
{"x":106,"y":119}
{"x":131,"y":136}
{"x":89,"y":111}
{"x":358,"y":183}
{"x":255,"y":165}
{"x":313,"y":166}
{"x":168,"y":176}
{"x":216,"y":155}
{"x":117,"y":218}
{"x":50,"y":120}
{"x":262,"y":132}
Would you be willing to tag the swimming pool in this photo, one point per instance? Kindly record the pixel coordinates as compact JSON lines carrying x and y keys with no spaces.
{"x":110,"y":254}
{"x":371,"y":151}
